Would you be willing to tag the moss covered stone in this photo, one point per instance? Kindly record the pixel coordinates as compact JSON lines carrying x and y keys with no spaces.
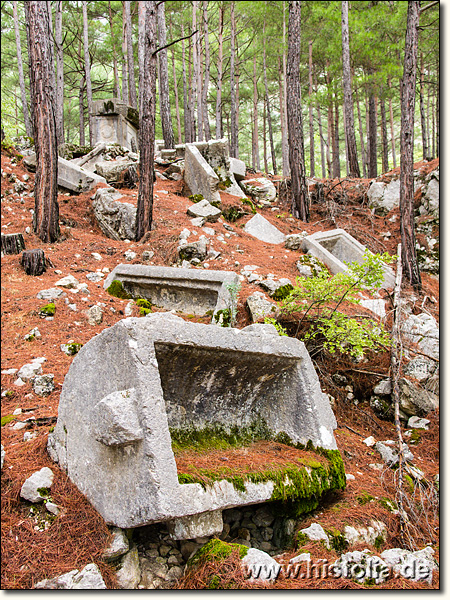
{"x":48,"y":310}
{"x":215,"y":551}
{"x":116,"y":289}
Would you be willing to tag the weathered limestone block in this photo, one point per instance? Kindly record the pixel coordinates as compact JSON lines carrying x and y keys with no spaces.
{"x":115,"y":122}
{"x":184,"y":376}
{"x":337,"y":247}
{"x":199,"y":175}
{"x":111,"y":170}
{"x":88,"y":578}
{"x":260,"y":188}
{"x":237,"y":168}
{"x":205,"y":210}
{"x":71,"y":176}
{"x":117,"y":220}
{"x":263,"y":230}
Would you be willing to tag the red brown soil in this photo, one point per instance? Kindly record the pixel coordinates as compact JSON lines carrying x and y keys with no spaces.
{"x":79,"y":535}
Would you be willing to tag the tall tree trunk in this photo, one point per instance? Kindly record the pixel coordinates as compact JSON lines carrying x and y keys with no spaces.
{"x":269,"y":116}
{"x":219,"y":125}
{"x":335,"y":131}
{"x":384,"y":136}
{"x":312,"y":161}
{"x":349,"y":120}
{"x":115,"y":70}
{"x":433,"y":137}
{"x":437,"y":119}
{"x":147,"y":88}
{"x":164,"y":99}
{"x":283,"y":125}
{"x":408,"y":92}
{"x":200,"y":85}
{"x":423,"y":124}
{"x":391,"y":118}
{"x":81,"y":111}
{"x":23,"y":95}
{"x":234,"y":148}
{"x":428,"y":124}
{"x":300,"y":199}
{"x":87,"y":70}
{"x":59,"y":74}
{"x":195,"y":76}
{"x":266,"y":165}
{"x":186,"y":105}
{"x":284,"y":138}
{"x":175,"y":87}
{"x":330,"y":130}
{"x":372,"y":142}
{"x":322,"y":143}
{"x":192,"y":86}
{"x":207,"y":73}
{"x":361,"y":136}
{"x":141,"y":44}
{"x":255,"y":138}
{"x":130,"y":57}
{"x":125,"y":91}
{"x":42,"y":77}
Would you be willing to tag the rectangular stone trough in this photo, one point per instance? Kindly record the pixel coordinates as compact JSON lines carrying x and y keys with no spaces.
{"x":336,"y":247}
{"x":183,"y":290}
{"x":145,"y":382}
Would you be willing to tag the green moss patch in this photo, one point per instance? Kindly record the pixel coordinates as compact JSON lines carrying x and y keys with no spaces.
{"x":116,"y":289}
{"x":48,"y":310}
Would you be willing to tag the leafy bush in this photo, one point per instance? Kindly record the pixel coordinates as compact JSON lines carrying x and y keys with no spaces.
{"x":318,"y":299}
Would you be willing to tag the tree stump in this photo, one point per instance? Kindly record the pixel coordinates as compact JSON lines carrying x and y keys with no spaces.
{"x":12,"y":243}
{"x":34,"y":262}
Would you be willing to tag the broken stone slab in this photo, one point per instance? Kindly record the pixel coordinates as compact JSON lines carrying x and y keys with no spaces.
{"x":260,"y":189}
{"x":316,"y":532}
{"x":263,"y":230}
{"x":277,"y":289}
{"x":181,"y":372}
{"x":237,"y":168}
{"x":200,"y":176}
{"x":260,"y":565}
{"x":88,"y":160}
{"x":383,"y":197}
{"x":29,"y":371}
{"x":118,"y":547}
{"x":111,"y":170}
{"x":185,"y":290}
{"x":415,"y":400}
{"x":33,"y":489}
{"x":204,"y":210}
{"x":294,"y":241}
{"x":70,"y":175}
{"x":197,"y":251}
{"x":337,"y":247}
{"x":129,"y":573}
{"x":88,"y":578}
{"x":418,"y":565}
{"x":259,"y":306}
{"x":68,"y":282}
{"x":418,"y":423}
{"x":420,"y":368}
{"x":389,"y":453}
{"x":195,"y":526}
{"x":50,"y":294}
{"x":365,"y":535}
{"x":423,"y":330}
{"x":94,"y":315}
{"x":117,"y":220}
{"x":180,"y":148}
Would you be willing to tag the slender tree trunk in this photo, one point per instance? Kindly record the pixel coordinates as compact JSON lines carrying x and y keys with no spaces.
{"x":283,"y":125}
{"x":42,"y":77}
{"x":322,"y":143}
{"x":147,"y":87}
{"x":384,"y":136}
{"x":391,"y":117}
{"x":195,"y":76}
{"x":433,"y":130}
{"x":423,"y":124}
{"x":81,"y":111}
{"x":130,"y":57}
{"x":428,"y":123}
{"x":115,"y":70}
{"x":266,"y":165}
{"x":361,"y":136}
{"x":186,"y":106}
{"x":175,"y":87}
{"x":207,"y":73}
{"x":125,"y":91}
{"x":284,"y":139}
{"x":255,"y":140}
{"x":300,"y":198}
{"x":87,"y":69}
{"x":234,"y":148}
{"x":219,"y":125}
{"x":335,"y":130}
{"x":408,"y":90}
{"x":373,"y":167}
{"x":312,"y":161}
{"x":141,"y":44}
{"x":59,"y":74}
{"x":23,"y":95}
{"x":200,"y":86}
{"x":164,"y":100}
{"x":192,"y":88}
{"x":269,"y":116}
{"x":352,"y":152}
{"x":437,"y":119}
{"x":330,"y":130}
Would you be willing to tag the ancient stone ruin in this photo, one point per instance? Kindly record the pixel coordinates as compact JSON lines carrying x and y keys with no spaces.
{"x":337,"y":247}
{"x":142,"y":388}
{"x":115,"y":122}
{"x":184,"y":290}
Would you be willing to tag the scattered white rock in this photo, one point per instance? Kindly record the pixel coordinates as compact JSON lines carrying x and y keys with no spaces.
{"x":43,"y":385}
{"x":129,"y":574}
{"x":316,"y":532}
{"x":268,"y":567}
{"x":96,"y":255}
{"x":130,"y":255}
{"x":95,"y":315}
{"x":418,"y":423}
{"x":119,"y":545}
{"x":33,"y":486}
{"x":68,"y":282}
{"x":50,"y":294}
{"x":34,"y":333}
{"x":95,"y":277}
{"x":29,"y":371}
{"x":89,"y":578}
{"x":370,"y":441}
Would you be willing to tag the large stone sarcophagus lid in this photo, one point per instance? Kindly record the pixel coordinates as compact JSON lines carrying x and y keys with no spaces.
{"x":140,"y":389}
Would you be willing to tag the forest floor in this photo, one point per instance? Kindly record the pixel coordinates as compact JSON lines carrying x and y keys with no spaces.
{"x":78,"y":535}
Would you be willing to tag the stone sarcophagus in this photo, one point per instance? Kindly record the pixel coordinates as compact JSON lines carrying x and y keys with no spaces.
{"x":115,"y":122}
{"x":139,"y":396}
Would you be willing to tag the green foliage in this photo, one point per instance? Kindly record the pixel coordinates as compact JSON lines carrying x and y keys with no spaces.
{"x":7,"y":419}
{"x":196,"y":198}
{"x":321,"y":296}
{"x":48,"y":310}
{"x":145,"y":306}
{"x":226,"y":317}
{"x":337,"y":540}
{"x":271,"y":321}
{"x":249,"y":203}
{"x":215,"y":551}
{"x":116,"y":289}
{"x":364,"y":498}
{"x":74,"y":348}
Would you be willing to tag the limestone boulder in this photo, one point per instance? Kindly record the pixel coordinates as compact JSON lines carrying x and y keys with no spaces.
{"x":260,"y":189}
{"x":423,"y":330}
{"x":263,"y":230}
{"x":116,"y":219}
{"x":33,"y":487}
{"x":88,"y":578}
{"x":205,"y":210}
{"x":111,"y":170}
{"x":259,"y":306}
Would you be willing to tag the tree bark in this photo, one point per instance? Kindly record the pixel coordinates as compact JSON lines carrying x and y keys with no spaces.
{"x":188,"y":138}
{"x":373,"y":167}
{"x":141,"y":44}
{"x":234,"y":148}
{"x":322,"y":143}
{"x":284,"y":138}
{"x":125,"y":91}
{"x":12,"y":243}
{"x":349,"y":120}
{"x":130,"y":57}
{"x":116,"y":73}
{"x":207,"y":73}
{"x":391,"y":118}
{"x":408,"y":89}
{"x":300,"y":199}
{"x":175,"y":88}
{"x":164,"y":99}
{"x":269,"y":116}
{"x":87,"y":70}
{"x":384,"y":137}
{"x":361,"y":136}
{"x":423,"y":124}
{"x":195,"y":78}
{"x":255,"y":139}
{"x":335,"y":132}
{"x":23,"y":95}
{"x":219,"y":125}
{"x":42,"y":77}
{"x":437,"y":119}
{"x":59,"y":74}
{"x":81,"y":111}
{"x":266,"y":166}
{"x":147,"y":87}
{"x":33,"y":262}
{"x":312,"y":161}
